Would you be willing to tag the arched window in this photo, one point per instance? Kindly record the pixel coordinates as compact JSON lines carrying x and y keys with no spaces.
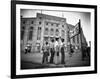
{"x":30,"y":33}
{"x":74,"y":39}
{"x":40,"y":17}
{"x":22,"y":32}
{"x":57,"y":32}
{"x":24,"y":22}
{"x":40,"y":23}
{"x":31,"y":28}
{"x":51,"y":24}
{"x":57,"y":25}
{"x":39,"y":33}
{"x":32,"y":22}
{"x":63,"y":33}
{"x":51,"y":31}
{"x":46,"y":31}
{"x":63,"y":26}
{"x":46,"y":23}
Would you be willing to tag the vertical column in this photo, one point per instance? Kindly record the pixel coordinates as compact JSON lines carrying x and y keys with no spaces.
{"x":26,"y":35}
{"x":34,"y":37}
{"x":66,"y":31}
{"x":80,"y":31}
{"x":42,"y":33}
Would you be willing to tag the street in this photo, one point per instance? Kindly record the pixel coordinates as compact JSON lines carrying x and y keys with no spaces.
{"x":34,"y":61}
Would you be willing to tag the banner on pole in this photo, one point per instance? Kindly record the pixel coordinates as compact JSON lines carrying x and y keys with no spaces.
{"x":75,"y":31}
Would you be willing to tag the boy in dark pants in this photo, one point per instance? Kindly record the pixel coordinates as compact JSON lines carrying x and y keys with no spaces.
{"x":52,"y":51}
{"x":62,"y":53}
{"x":45,"y":53}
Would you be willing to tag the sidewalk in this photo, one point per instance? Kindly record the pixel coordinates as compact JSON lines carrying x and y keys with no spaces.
{"x":34,"y":60}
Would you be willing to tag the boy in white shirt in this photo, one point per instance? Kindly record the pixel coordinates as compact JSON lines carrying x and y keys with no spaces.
{"x":57,"y":51}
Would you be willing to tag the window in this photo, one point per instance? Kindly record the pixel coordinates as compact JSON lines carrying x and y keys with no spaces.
{"x":57,"y":32}
{"x":52,"y":31}
{"x":32,"y":22}
{"x":51,"y":24}
{"x":22,"y":32}
{"x":63,"y":26}
{"x":74,"y":39}
{"x":46,"y":31}
{"x":71,"y":40}
{"x":63,"y":32}
{"x":23,"y":28}
{"x":40,"y":23}
{"x":57,"y":25}
{"x":68,"y":38}
{"x":77,"y":38}
{"x":39,"y":33}
{"x":47,"y":23}
{"x":30,"y":33}
{"x":31,"y":28}
{"x":38,"y":38}
{"x":23,"y":22}
{"x":40,"y":17}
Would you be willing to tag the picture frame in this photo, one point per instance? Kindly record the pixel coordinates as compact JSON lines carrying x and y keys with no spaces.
{"x":17,"y":70}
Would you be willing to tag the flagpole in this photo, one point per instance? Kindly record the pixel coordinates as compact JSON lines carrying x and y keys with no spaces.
{"x":80,"y":32}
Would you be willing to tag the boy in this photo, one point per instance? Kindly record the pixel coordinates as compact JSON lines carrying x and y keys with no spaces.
{"x":45,"y":53}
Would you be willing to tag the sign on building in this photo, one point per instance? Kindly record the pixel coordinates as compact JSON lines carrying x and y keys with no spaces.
{"x":75,"y":31}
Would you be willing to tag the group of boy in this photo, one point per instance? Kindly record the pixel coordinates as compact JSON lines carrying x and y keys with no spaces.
{"x":52,"y":49}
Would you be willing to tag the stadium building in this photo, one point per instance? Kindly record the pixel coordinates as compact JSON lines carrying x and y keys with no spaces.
{"x":43,"y":27}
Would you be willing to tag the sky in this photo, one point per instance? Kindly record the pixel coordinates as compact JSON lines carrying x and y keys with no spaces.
{"x":71,"y":18}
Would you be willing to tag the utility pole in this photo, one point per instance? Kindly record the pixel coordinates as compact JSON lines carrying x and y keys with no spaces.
{"x":80,"y":32}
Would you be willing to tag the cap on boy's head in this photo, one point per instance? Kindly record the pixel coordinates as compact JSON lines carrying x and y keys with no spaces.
{"x":62,"y":40}
{"x":46,"y":43}
{"x":52,"y":40}
{"x":57,"y":39}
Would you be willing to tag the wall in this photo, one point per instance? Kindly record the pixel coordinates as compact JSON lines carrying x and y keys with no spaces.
{"x":5,"y":39}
